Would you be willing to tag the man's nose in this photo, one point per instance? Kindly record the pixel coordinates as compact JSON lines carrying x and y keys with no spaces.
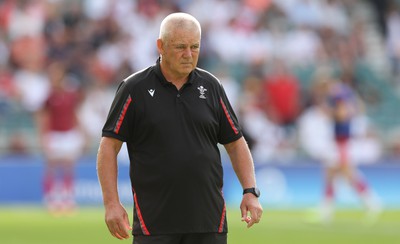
{"x":187,"y":52}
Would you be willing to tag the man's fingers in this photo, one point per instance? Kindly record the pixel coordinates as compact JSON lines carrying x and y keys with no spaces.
{"x":119,"y":231}
{"x":118,"y":236}
{"x":115,"y":232}
{"x":244,"y":214}
{"x":254,"y":218}
{"x":127,"y":224}
{"x":250,"y":224}
{"x":123,"y":231}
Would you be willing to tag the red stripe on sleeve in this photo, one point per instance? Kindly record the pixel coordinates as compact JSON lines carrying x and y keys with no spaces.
{"x":228,"y":116}
{"x":140,"y":217}
{"x":122,"y":115}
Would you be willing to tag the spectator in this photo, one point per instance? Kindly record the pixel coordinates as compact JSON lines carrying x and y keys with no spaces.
{"x":61,"y":140}
{"x":281,"y":96}
{"x":393,"y":38}
{"x":265,"y":135}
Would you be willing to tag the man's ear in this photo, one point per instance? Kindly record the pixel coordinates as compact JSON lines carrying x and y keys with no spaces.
{"x":160,"y":46}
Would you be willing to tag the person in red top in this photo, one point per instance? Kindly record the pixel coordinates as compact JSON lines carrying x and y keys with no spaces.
{"x":281,"y":97}
{"x":281,"y":91}
{"x":61,"y":140}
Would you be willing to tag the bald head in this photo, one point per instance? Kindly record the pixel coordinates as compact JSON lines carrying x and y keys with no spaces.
{"x":178,"y":21}
{"x":179,"y":47}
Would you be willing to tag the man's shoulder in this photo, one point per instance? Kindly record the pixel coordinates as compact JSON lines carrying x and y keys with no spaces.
{"x":139,"y":76}
{"x":207,"y":76}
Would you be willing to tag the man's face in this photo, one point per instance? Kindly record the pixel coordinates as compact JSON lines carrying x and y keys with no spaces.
{"x":180,"y":52}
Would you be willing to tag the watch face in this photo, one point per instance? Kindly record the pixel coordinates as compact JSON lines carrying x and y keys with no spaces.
{"x":257,"y":192}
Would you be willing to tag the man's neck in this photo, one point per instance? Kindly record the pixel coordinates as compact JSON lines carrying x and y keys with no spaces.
{"x":177,"y":80}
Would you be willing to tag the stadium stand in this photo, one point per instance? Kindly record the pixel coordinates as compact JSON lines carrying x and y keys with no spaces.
{"x":104,"y":41}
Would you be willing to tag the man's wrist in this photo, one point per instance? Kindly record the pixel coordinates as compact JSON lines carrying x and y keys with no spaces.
{"x":252,"y":190}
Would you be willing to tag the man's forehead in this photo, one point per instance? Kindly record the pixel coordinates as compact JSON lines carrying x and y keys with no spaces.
{"x":189,"y":40}
{"x":183,"y":42}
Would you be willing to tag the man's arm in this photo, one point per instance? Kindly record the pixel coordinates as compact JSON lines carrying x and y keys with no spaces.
{"x":243,"y":165}
{"x":116,"y":216}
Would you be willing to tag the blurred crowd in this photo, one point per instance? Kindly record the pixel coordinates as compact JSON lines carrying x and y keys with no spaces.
{"x":272,"y":56}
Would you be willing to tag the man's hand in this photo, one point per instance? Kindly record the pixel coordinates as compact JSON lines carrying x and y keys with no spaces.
{"x":117,"y":221}
{"x":251,"y":209}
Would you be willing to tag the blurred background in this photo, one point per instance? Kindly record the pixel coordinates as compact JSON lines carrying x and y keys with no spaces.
{"x":270,"y":55}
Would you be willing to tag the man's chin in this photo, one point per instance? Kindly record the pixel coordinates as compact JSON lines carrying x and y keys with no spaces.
{"x":187,"y":69}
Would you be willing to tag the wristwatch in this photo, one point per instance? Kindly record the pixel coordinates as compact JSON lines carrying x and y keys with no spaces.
{"x":254,"y":190}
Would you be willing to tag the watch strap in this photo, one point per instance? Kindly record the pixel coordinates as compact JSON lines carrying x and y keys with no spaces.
{"x":252,"y":190}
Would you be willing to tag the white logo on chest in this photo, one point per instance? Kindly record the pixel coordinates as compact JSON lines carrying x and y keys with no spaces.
{"x":151,"y":92}
{"x":202,"y":92}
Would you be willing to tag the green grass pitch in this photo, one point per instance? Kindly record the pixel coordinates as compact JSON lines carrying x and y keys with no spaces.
{"x":34,"y":225}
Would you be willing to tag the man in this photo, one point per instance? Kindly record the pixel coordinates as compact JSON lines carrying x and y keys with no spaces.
{"x":172,"y":116}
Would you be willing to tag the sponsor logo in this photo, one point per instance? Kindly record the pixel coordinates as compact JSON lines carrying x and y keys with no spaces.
{"x":151,"y":92}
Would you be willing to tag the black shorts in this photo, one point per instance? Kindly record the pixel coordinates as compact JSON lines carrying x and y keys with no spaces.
{"x":193,"y":238}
